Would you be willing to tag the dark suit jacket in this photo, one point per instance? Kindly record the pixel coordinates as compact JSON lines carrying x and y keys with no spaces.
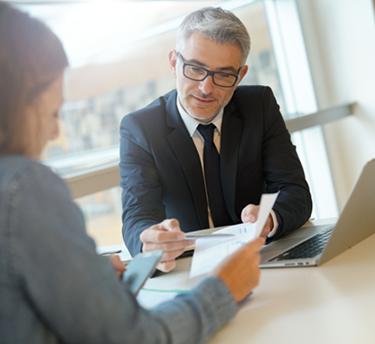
{"x":161,"y":174}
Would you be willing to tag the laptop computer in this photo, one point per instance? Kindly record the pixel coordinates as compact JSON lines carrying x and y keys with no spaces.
{"x":315,"y":245}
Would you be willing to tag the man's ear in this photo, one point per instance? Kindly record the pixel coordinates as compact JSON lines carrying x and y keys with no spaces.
{"x":243,"y":72}
{"x":172,"y":56}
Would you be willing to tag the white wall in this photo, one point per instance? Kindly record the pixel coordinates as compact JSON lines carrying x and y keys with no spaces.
{"x":340,"y":38}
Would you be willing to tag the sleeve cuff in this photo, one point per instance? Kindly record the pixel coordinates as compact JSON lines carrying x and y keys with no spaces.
{"x":275,"y":225}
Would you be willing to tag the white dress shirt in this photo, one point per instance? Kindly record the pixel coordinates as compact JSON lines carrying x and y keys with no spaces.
{"x":191,"y":126}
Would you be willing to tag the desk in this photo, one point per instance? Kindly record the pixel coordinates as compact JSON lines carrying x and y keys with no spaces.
{"x":333,"y":303}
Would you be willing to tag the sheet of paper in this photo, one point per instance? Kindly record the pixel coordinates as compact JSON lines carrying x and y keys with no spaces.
{"x":210,"y":252}
{"x":266,"y":203}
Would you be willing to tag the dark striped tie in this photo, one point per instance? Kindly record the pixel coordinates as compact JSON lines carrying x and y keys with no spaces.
{"x":211,"y":158}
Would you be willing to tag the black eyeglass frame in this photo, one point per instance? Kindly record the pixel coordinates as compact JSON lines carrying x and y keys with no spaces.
{"x":208,"y":72}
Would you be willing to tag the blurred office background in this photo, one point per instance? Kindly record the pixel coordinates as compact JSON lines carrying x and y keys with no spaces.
{"x":314,"y":54}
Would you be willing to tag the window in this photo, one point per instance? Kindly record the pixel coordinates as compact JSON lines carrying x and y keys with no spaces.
{"x":118,"y":64}
{"x":299,"y":95}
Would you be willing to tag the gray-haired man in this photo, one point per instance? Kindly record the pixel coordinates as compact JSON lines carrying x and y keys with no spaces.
{"x":204,"y":153}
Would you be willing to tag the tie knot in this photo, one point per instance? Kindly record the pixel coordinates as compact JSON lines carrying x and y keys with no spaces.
{"x":207,"y":131}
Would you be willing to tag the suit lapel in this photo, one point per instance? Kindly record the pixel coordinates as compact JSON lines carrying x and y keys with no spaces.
{"x":188,"y":158}
{"x":230,"y":140}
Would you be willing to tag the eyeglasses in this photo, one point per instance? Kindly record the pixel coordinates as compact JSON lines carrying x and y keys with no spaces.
{"x":196,"y":73}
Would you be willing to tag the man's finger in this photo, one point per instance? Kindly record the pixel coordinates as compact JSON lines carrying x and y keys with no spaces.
{"x":267,"y":227}
{"x":154,"y":235}
{"x":171,"y":225}
{"x":250,"y":213}
{"x":168,"y":246}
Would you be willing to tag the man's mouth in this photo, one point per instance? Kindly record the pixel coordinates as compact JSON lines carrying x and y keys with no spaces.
{"x":203,"y":100}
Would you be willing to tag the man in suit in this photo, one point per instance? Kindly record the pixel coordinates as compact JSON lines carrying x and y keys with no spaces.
{"x":202,"y":155}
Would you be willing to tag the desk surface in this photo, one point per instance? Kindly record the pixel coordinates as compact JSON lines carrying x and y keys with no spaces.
{"x":333,"y":303}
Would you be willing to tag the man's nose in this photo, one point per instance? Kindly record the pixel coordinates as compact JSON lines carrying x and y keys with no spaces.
{"x":207,"y":86}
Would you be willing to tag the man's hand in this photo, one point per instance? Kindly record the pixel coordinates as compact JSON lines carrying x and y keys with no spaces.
{"x":168,"y":237}
{"x":240,"y":271}
{"x":250,"y":214}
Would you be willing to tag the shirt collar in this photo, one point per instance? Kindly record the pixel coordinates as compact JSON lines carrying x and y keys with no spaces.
{"x":192,"y":124}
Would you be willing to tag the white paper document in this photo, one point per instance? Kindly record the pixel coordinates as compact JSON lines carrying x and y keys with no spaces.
{"x":266,"y":203}
{"x":210,"y":252}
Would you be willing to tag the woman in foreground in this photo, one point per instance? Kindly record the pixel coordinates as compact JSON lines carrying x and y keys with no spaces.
{"x":53,"y":285}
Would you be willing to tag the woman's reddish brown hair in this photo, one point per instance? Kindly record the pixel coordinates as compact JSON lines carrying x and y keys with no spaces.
{"x":31,"y":57}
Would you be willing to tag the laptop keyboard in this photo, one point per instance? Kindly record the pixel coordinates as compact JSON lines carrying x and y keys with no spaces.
{"x":307,"y":249}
